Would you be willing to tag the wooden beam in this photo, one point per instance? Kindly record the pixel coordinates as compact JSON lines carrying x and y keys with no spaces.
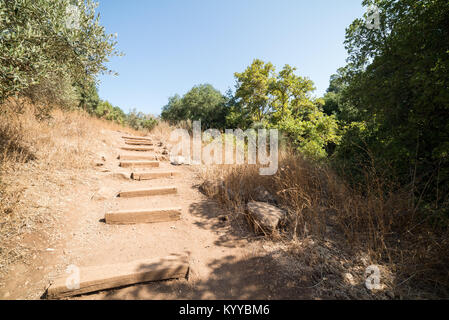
{"x":99,"y":278}
{"x":139,"y":163}
{"x":135,"y":157}
{"x":156,"y":191}
{"x":143,"y":216}
{"x":139,"y":143}
{"x":136,"y":138}
{"x":152,"y":175}
{"x":137,"y":148}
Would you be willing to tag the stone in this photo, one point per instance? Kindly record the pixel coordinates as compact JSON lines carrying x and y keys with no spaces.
{"x":265,"y":215}
{"x":178,"y":160}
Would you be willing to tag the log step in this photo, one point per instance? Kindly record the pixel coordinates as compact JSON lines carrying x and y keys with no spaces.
{"x":139,"y":163}
{"x":152,"y":175}
{"x":137,"y":138}
{"x":143,"y":216}
{"x":135,"y":157}
{"x":156,"y":191}
{"x":99,"y":278}
{"x":137,"y":148}
{"x":139,"y":143}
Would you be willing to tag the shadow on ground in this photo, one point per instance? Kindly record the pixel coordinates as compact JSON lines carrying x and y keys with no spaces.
{"x":249,"y":278}
{"x":235,"y":231}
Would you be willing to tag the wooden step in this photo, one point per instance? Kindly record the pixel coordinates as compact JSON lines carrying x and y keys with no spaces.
{"x":143,"y":216}
{"x":156,"y":191}
{"x":137,"y":138}
{"x":139,"y":143}
{"x":136,"y":157}
{"x":137,"y":148}
{"x":139,"y":163}
{"x":99,"y":278}
{"x":152,"y":175}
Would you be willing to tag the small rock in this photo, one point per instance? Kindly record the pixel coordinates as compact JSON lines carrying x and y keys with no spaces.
{"x":265,"y":215}
{"x":178,"y":160}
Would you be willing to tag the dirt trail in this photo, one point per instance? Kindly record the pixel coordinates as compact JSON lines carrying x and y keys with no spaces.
{"x":226,"y":260}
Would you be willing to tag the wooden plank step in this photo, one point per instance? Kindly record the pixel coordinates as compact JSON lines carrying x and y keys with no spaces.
{"x":156,"y":191}
{"x":136,"y":138}
{"x":139,"y":143}
{"x":152,"y":175}
{"x":136,"y":157}
{"x":99,"y":278}
{"x":143,"y":216}
{"x":138,"y":163}
{"x":137,"y":148}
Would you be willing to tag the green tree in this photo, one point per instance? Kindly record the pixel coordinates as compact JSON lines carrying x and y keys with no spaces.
{"x":398,"y":80}
{"x":202,"y":102}
{"x":283,"y":101}
{"x":253,"y":89}
{"x":37,"y":45}
{"x":140,"y":120}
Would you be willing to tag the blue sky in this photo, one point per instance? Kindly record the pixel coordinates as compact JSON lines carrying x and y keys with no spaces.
{"x":172,"y":45}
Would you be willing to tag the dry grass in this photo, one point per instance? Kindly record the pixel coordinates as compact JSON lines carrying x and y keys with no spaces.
{"x":375,"y":224}
{"x":37,"y":159}
{"x":162,"y":131}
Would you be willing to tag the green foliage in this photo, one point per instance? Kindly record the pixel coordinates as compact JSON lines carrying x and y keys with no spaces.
{"x":87,"y":96}
{"x":140,"y":121}
{"x":336,"y":100}
{"x":107,"y":111}
{"x":134,"y":119}
{"x":202,"y":102}
{"x":397,"y":81}
{"x":283,"y":101}
{"x":37,"y":45}
{"x":263,"y":98}
{"x":253,"y":88}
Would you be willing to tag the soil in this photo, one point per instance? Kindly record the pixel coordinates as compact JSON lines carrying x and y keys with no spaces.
{"x":227,"y":260}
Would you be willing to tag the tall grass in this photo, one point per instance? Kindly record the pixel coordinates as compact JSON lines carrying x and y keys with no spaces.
{"x":373,"y":218}
{"x":37,"y":150}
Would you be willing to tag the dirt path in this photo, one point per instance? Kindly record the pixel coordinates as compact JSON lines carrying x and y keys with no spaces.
{"x":226,"y":260}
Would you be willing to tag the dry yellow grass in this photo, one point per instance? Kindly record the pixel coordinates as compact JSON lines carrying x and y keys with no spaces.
{"x":367,"y":225}
{"x":37,"y":158}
